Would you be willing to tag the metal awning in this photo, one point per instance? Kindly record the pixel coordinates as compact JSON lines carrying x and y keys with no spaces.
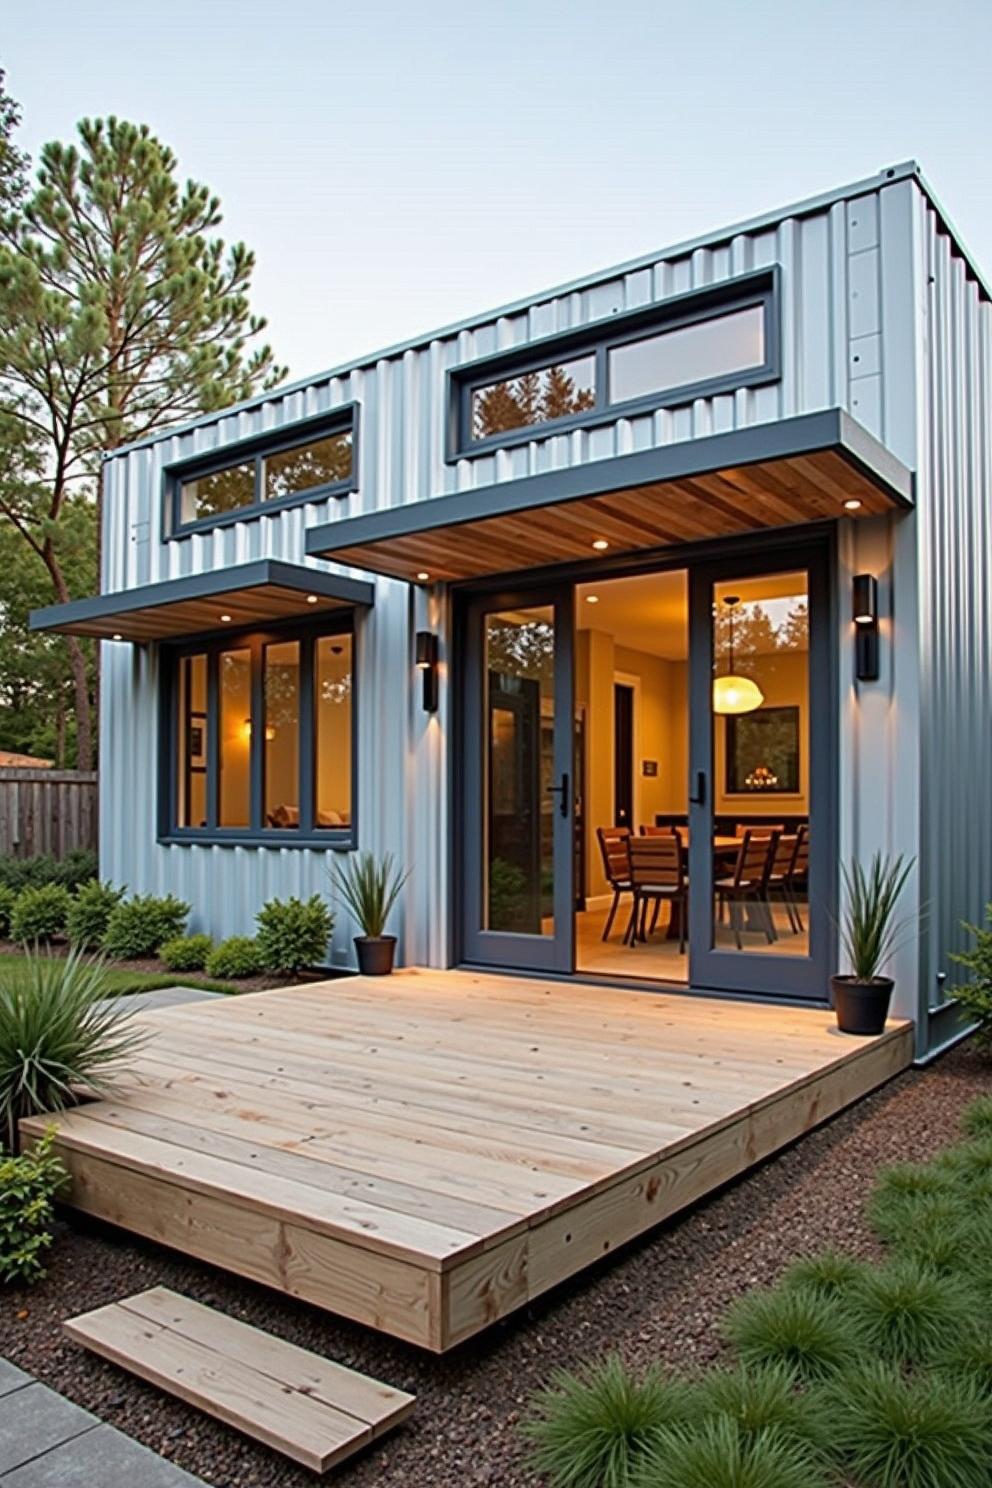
{"x":805,"y":469}
{"x":248,"y":594}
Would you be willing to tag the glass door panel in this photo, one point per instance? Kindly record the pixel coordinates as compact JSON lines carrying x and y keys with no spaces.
{"x":517,"y":792}
{"x":761,"y":815}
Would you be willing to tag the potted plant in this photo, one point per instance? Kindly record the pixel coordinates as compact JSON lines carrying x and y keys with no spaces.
{"x":370,"y":887}
{"x":868,"y":932}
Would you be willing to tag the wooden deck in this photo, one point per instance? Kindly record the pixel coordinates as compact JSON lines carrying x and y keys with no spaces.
{"x":426,"y":1153}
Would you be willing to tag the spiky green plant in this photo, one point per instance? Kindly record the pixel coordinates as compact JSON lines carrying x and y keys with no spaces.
{"x":976,"y":1121}
{"x":968,"y":1164}
{"x":968,"y":1355}
{"x":940,"y":1235}
{"x":906,"y":1311}
{"x":894,"y":1431}
{"x":370,"y":886}
{"x":868,"y":928}
{"x":830,"y":1274}
{"x":59,"y":1038}
{"x":810,"y":1334}
{"x":898,"y":1217}
{"x":757,"y":1398}
{"x":715,"y":1454}
{"x":974,"y":997}
{"x":591,"y":1429}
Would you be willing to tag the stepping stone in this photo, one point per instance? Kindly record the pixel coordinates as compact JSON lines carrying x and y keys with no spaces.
{"x":11,"y":1378}
{"x":101,"y":1458}
{"x":35,"y":1419}
{"x":316,"y":1412}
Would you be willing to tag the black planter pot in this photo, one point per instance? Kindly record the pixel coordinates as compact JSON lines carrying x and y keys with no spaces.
{"x":861,"y":1007}
{"x":375,"y":954}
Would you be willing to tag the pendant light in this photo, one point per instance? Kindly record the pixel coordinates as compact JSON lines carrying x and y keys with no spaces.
{"x":732,"y":693}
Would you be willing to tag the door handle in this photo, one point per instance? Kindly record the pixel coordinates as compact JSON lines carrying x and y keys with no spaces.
{"x":698,"y":796}
{"x":561,"y":791}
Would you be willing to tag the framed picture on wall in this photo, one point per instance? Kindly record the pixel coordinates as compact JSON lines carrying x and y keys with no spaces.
{"x":762,"y":754}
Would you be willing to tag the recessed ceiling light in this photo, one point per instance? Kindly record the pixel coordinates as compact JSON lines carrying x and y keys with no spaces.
{"x":422,"y":577}
{"x":117,"y":636}
{"x":311,"y":599}
{"x":853,"y":504}
{"x":601,"y":545}
{"x":592,"y":599}
{"x":225,"y":618}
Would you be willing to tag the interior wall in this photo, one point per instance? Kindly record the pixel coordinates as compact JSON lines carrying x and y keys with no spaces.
{"x":785,"y":684}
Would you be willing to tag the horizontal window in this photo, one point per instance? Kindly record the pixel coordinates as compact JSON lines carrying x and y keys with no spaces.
{"x":693,"y":345}
{"x":694,"y":353}
{"x":262,"y":730}
{"x":263,"y":472}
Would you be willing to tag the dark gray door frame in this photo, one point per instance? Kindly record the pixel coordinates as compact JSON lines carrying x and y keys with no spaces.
{"x":776,"y":974}
{"x":506,"y":949}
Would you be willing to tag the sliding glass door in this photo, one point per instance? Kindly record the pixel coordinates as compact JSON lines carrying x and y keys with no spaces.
{"x":518,"y":781}
{"x":761,"y":777}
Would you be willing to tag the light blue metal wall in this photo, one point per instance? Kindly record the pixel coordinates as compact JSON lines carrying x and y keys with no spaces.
{"x":847,"y":282}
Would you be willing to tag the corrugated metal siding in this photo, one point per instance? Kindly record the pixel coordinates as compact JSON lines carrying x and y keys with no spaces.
{"x":955,"y":600}
{"x":832,"y":263}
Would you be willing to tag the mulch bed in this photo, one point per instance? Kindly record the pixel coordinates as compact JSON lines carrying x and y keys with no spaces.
{"x":661,"y":1299}
{"x":152,"y":964}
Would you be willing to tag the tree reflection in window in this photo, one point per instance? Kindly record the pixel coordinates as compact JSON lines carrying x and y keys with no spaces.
{"x":537,"y":397}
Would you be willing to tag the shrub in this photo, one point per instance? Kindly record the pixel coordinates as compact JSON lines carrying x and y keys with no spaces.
{"x":809,"y":1334}
{"x":138,"y":927}
{"x":977,"y":1118}
{"x":828,"y":1275}
{"x":40,"y":913}
{"x":899,"y":1432}
{"x":8,"y":898}
{"x":591,"y":1429}
{"x":89,"y":912}
{"x":969,"y":1356}
{"x":967,"y":1165}
{"x":74,"y":869}
{"x":235,"y":958}
{"x":757,"y":1400}
{"x":975,"y":996}
{"x":293,"y":933}
{"x":28,"y":1185}
{"x":186,"y":952}
{"x":59,"y":1037}
{"x":370,"y":886}
{"x":906,"y":1311}
{"x":716,"y":1455}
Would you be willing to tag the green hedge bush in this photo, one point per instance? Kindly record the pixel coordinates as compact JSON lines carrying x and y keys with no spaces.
{"x":76,"y":868}
{"x":8,"y":898}
{"x":28,"y":1186}
{"x":186,"y":952}
{"x":138,"y":927}
{"x":41,"y":913}
{"x":292,"y":934}
{"x":235,"y":958}
{"x":90,"y":911}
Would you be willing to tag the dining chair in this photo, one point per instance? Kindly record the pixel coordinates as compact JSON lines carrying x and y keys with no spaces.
{"x":657,"y":873}
{"x":748,"y":884}
{"x":778,"y":877}
{"x":798,"y":875}
{"x":759,"y":829}
{"x":614,"y":847}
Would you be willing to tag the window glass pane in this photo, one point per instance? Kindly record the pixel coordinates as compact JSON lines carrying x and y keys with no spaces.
{"x":761,"y":707}
{"x":519,"y":766}
{"x":211,"y":495}
{"x":234,"y":684}
{"x":332,"y":716}
{"x":693,"y":353}
{"x":192,"y":782}
{"x":534,"y":397}
{"x":307,"y":465}
{"x":282,"y":735}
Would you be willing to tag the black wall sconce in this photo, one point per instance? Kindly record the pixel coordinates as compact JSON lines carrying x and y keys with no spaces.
{"x":427,"y":664}
{"x":865,"y":616}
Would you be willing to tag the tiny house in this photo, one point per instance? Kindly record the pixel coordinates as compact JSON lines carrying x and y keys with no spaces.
{"x":694,"y":550}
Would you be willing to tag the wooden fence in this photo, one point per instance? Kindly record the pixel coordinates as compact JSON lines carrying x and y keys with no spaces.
{"x":47,"y":811}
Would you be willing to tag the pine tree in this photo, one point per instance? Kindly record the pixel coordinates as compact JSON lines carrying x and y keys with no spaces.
{"x":119,"y":314}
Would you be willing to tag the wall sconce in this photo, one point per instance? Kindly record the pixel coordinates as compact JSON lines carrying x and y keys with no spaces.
{"x":865,"y":616}
{"x":427,"y":664}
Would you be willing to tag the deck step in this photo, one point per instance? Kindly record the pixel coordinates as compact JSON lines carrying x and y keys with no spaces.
{"x":314,"y":1411}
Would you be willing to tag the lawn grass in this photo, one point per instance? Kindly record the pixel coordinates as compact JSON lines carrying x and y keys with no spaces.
{"x":122,"y":979}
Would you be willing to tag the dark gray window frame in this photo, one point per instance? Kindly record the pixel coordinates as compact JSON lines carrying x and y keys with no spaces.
{"x":598,"y":339}
{"x":342,"y":420}
{"x":255,"y":639}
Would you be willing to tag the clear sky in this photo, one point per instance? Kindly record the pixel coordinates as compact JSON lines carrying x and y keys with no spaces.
{"x":396,"y":166}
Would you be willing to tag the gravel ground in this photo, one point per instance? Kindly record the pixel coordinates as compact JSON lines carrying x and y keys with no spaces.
{"x":660,"y":1299}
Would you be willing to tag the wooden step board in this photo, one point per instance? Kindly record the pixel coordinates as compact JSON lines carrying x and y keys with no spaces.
{"x":314,"y":1411}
